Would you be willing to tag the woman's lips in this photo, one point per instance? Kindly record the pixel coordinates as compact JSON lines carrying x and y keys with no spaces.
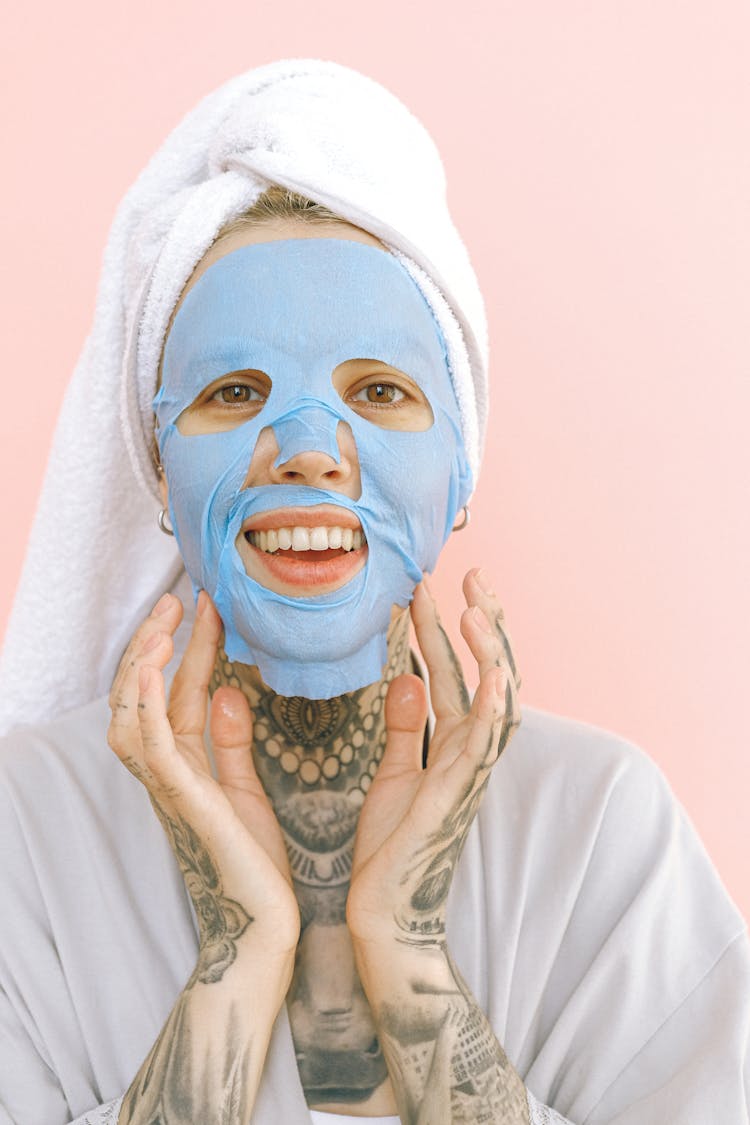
{"x":293,"y":550}
{"x":321,"y":514}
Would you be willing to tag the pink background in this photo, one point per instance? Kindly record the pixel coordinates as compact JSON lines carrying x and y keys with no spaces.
{"x":598,"y":167}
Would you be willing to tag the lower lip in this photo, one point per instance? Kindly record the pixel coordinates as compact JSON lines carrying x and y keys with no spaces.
{"x":307,"y":569}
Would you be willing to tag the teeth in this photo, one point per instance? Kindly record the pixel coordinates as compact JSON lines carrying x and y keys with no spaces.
{"x":319,"y":539}
{"x":300,"y":539}
{"x":307,"y":539}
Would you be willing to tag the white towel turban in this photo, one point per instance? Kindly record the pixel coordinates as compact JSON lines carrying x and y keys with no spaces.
{"x":96,"y":560}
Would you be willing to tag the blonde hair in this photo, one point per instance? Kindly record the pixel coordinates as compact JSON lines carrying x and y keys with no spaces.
{"x":278,"y":202}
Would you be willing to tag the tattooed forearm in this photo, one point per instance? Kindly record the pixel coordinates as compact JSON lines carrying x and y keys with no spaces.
{"x":187,"y":1079}
{"x":446,"y":1062}
{"x":200,"y":1067}
{"x":221,"y":920}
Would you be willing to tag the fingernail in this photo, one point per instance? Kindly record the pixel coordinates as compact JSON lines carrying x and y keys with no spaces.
{"x":481,"y":619}
{"x":483,"y":582}
{"x":149,"y":645}
{"x":227,"y":707}
{"x":162,"y":605}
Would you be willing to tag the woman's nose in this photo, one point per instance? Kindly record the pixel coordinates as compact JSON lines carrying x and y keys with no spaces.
{"x":311,"y":467}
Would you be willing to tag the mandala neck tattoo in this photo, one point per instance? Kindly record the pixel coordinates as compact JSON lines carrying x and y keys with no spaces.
{"x":300,"y":745}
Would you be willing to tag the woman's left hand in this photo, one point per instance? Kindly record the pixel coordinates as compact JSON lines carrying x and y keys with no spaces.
{"x":414,"y":820}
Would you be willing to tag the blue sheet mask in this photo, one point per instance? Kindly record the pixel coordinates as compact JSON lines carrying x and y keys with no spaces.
{"x":296,"y":309}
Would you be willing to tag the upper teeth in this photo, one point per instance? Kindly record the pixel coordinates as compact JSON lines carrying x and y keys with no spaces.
{"x":307,"y":539}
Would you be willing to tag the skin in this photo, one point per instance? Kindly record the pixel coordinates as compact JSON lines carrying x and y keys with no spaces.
{"x":320,"y":855}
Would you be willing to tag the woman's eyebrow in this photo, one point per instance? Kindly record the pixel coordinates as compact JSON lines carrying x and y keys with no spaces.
{"x":227,"y":354}
{"x":394,"y":349}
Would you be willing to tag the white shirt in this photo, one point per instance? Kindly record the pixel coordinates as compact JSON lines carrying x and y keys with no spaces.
{"x":584,"y":914}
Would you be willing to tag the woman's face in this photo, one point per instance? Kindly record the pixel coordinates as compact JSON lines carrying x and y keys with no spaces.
{"x":310,"y":440}
{"x":373,"y":389}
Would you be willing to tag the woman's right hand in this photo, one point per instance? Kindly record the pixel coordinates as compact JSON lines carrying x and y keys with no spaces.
{"x":223,"y":830}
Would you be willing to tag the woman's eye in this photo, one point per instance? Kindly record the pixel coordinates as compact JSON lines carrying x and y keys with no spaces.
{"x":237,"y":394}
{"x":380,"y":393}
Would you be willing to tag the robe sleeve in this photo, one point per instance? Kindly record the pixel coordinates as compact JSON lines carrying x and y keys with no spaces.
{"x":696,"y":1067}
{"x":29,"y":1091}
{"x":619,"y":983}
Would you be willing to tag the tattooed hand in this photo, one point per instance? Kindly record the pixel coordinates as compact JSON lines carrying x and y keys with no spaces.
{"x":223,"y":831}
{"x":445,"y":1063}
{"x":414,"y":821}
{"x":206,"y":1063}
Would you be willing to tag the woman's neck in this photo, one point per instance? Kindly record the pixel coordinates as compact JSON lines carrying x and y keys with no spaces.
{"x":330,"y":745}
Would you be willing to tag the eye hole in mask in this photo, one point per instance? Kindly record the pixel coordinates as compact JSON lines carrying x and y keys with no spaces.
{"x":383,"y":395}
{"x":226,"y":403}
{"x":374,"y":390}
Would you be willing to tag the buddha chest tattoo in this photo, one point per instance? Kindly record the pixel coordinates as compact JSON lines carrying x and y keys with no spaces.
{"x":316,"y":760}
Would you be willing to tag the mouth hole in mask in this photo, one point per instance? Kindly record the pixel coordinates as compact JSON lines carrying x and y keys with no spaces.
{"x":226,"y":403}
{"x":383,"y":395}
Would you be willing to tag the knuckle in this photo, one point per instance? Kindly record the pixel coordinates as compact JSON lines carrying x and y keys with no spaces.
{"x":115,"y":692}
{"x":119,"y":739}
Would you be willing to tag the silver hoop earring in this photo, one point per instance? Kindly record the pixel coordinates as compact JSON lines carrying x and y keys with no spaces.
{"x":465,"y":521}
{"x":163,"y":525}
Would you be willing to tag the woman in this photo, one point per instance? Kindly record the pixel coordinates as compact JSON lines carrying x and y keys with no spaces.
{"x":367,"y":939}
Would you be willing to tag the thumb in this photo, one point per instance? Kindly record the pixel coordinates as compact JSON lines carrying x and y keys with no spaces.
{"x":405,"y":718}
{"x":231,"y":729}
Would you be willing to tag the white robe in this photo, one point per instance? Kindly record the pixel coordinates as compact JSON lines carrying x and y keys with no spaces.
{"x":584,"y":914}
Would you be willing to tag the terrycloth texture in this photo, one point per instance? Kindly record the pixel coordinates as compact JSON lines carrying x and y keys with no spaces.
{"x":96,"y":560}
{"x":584,"y":914}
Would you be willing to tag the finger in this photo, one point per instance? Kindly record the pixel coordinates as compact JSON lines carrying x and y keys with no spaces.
{"x":188,"y":700}
{"x":123,"y":734}
{"x":478,"y":591}
{"x":405,"y":718}
{"x":448,"y":693}
{"x":491,"y":713}
{"x":482,"y":639}
{"x":487,"y":650}
{"x":164,"y":617}
{"x":232,"y":739}
{"x":160,"y":755}
{"x":496,"y":702}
